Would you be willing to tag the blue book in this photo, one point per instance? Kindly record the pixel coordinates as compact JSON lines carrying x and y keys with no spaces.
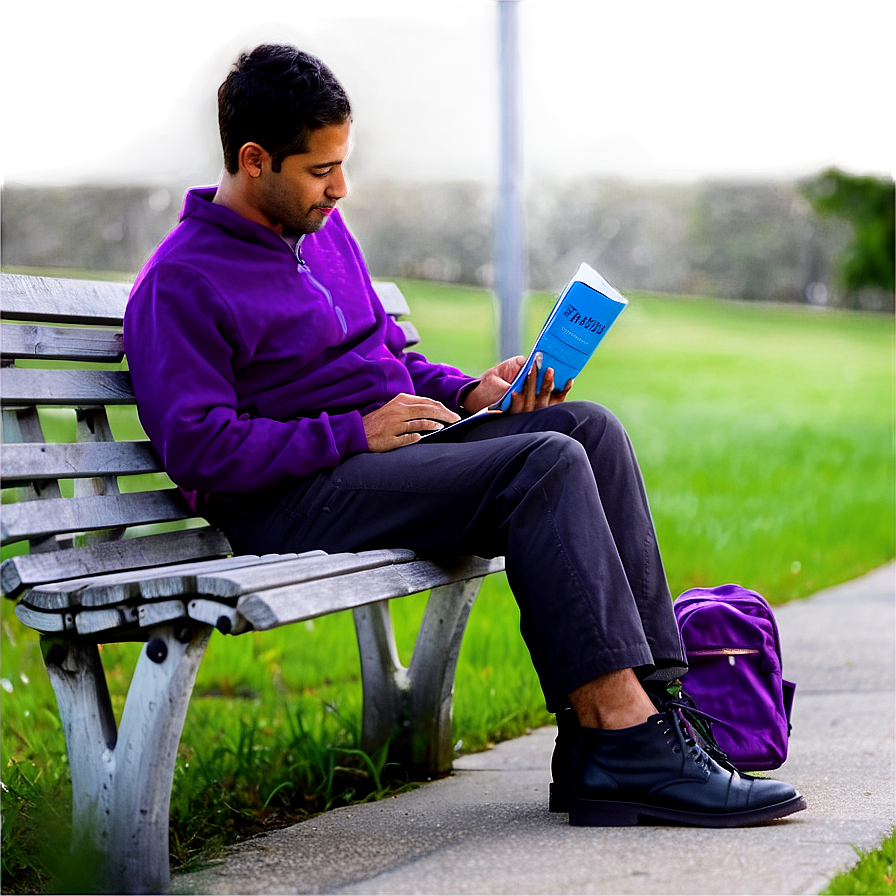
{"x":577,"y":324}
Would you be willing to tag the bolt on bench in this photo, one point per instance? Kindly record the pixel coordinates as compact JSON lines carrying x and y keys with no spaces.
{"x":94,"y":576}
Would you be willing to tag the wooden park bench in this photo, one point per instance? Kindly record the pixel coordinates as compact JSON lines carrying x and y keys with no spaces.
{"x":95,"y":575}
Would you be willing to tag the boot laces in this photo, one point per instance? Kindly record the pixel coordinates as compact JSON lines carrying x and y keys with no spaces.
{"x":700,"y":726}
{"x":682,"y":738}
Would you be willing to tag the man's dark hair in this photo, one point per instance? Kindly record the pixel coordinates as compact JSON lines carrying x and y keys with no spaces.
{"x":276,"y":96}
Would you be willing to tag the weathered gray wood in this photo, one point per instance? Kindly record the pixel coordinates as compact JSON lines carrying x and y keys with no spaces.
{"x":38,"y":461}
{"x":265,"y":610}
{"x":277,"y":575}
{"x":44,"y":622}
{"x":23,"y":425}
{"x":56,"y":300}
{"x":145,"y":756}
{"x":61,"y":343}
{"x":66,"y":388}
{"x":391,"y":298}
{"x":412,"y":337}
{"x":163,"y":611}
{"x":137,"y":584}
{"x":79,"y":682}
{"x":29,"y":570}
{"x":91,"y":622}
{"x":223,"y":617}
{"x":93,"y":427}
{"x":411,"y":707}
{"x":122,"y":783}
{"x":429,"y":747}
{"x":37,"y":518}
{"x":295,"y":603}
{"x":383,"y":677}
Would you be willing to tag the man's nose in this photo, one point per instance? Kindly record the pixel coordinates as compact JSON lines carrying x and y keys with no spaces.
{"x":337,"y":188}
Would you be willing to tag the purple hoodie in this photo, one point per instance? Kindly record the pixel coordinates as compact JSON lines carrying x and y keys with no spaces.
{"x":252,"y":364}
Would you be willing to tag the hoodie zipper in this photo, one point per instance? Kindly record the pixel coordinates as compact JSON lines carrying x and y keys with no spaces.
{"x":303,"y":268}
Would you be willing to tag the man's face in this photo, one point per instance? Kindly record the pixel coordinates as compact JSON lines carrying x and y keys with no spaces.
{"x":301,"y":196}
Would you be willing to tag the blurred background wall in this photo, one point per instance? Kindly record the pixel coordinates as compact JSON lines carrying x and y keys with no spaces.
{"x":686,"y":148}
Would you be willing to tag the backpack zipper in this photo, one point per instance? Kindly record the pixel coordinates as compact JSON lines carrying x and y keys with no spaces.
{"x":724,"y":651}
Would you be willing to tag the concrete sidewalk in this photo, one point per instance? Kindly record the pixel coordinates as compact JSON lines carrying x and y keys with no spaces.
{"x":487,"y":830}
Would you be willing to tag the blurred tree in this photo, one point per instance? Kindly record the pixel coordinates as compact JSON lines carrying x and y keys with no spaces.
{"x":857,"y":210}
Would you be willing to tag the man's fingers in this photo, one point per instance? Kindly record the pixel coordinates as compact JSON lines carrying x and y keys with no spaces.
{"x":530,"y":384}
{"x":413,"y":407}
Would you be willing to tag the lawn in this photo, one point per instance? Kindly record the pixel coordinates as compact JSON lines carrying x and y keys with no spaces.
{"x":766,"y":438}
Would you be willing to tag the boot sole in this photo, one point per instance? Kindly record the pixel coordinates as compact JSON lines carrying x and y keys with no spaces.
{"x":559,"y":799}
{"x":604,"y":813}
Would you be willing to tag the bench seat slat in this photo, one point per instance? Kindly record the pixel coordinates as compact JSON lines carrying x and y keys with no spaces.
{"x":164,"y":611}
{"x":265,"y":610}
{"x":90,"y":622}
{"x":129,"y":585}
{"x":66,"y":388}
{"x":276,"y":575}
{"x":28,"y":570}
{"x":61,"y":343}
{"x":35,"y":519}
{"x":225,"y":578}
{"x":38,"y":461}
{"x":49,"y":623}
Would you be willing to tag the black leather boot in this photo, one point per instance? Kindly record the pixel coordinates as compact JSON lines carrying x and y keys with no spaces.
{"x":564,"y":759}
{"x":569,"y":740}
{"x":658,"y":772}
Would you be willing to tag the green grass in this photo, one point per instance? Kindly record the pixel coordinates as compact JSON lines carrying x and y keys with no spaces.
{"x":766,"y":438}
{"x":873,"y":874}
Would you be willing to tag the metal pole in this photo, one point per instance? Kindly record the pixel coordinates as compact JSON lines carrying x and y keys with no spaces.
{"x":510,"y":262}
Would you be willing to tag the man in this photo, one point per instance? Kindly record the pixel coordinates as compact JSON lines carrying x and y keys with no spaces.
{"x":280,"y":399}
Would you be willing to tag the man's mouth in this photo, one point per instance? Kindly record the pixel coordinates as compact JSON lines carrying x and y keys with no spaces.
{"x":326,"y":209}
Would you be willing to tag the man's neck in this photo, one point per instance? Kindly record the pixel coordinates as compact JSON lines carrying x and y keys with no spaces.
{"x":231,"y":194}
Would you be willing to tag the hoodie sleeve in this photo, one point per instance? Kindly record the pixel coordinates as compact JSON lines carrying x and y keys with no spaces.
{"x":180,"y":340}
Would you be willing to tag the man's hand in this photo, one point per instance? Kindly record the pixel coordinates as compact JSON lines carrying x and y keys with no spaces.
{"x":402,"y":420}
{"x":496,"y":381}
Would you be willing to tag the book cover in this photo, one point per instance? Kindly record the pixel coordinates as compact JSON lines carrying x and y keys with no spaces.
{"x":578,"y":322}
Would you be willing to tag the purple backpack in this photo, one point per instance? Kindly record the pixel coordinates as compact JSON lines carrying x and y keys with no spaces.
{"x":734,"y":656}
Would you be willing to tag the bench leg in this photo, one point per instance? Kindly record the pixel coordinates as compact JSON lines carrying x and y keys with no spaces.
{"x":413,"y":705}
{"x":121,"y":782}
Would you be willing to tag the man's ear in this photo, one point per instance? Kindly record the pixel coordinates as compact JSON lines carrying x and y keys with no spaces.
{"x":251,"y":158}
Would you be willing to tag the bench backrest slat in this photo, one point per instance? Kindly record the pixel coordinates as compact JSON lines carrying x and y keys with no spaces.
{"x":66,"y":388}
{"x":56,"y":300}
{"x":93,"y":302}
{"x":36,"y":462}
{"x":61,"y":343}
{"x":38,"y":519}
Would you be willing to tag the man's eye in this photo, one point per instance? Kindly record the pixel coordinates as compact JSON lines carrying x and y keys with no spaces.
{"x":322,"y":173}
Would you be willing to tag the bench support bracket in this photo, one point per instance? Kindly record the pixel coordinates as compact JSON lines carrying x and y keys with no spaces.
{"x":412,"y":706}
{"x":121,"y":780}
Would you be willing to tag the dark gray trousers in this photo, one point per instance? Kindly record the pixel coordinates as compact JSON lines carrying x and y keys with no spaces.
{"x":557,"y":491}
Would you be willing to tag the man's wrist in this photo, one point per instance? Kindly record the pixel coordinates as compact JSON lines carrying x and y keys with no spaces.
{"x":465,"y":393}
